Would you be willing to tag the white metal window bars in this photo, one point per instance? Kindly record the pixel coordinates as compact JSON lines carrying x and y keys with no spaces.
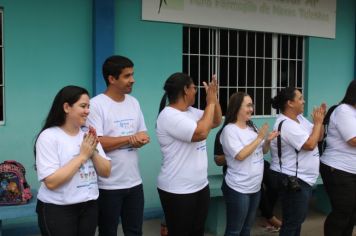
{"x":257,"y":63}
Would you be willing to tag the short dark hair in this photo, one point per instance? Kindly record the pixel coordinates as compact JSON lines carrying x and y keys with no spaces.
{"x":283,"y":96}
{"x":114,"y":65}
{"x":350,"y":95}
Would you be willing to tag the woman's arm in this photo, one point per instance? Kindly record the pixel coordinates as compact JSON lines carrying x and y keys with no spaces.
{"x":102,"y":165}
{"x":206,"y":123}
{"x":220,"y":160}
{"x":312,"y":141}
{"x":250,"y":148}
{"x":66,"y":172}
{"x":267,"y":144}
{"x":352,"y":142}
{"x":217,"y":115}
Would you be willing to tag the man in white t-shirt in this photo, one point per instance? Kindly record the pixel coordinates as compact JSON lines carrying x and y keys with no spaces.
{"x":121,"y":129}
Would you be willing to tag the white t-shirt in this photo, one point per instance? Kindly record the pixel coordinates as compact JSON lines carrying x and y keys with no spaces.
{"x":184,"y":165}
{"x":342,"y":127}
{"x":242,"y":176}
{"x":54,"y":149}
{"x":115,"y":119}
{"x":294,"y":135}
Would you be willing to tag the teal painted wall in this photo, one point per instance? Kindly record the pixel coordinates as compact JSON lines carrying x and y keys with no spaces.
{"x":155,"y":48}
{"x":47,"y":45}
{"x":331,"y":61}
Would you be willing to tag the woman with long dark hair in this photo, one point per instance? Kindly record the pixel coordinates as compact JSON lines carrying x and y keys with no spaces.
{"x":182,"y":131}
{"x":243,"y":146}
{"x":338,"y":166}
{"x":68,"y":161}
{"x":295,"y":157}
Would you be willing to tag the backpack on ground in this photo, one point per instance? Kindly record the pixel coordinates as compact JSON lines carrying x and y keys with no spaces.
{"x":14,"y":189}
{"x":322,"y":143}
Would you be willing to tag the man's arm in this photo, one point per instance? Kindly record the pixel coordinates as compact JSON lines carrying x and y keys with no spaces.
{"x":111,"y":143}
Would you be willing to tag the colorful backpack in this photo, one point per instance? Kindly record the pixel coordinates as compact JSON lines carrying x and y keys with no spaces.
{"x":14,"y":189}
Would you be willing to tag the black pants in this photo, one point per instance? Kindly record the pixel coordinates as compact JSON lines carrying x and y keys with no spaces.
{"x":341,"y":188}
{"x":185,"y":213}
{"x":70,"y":220}
{"x":269,"y":195}
{"x":125,"y":203}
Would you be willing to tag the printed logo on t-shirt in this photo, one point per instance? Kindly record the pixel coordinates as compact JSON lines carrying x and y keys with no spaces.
{"x":201,"y":146}
{"x":126,"y":126}
{"x":258,"y":157}
{"x":87,"y":176}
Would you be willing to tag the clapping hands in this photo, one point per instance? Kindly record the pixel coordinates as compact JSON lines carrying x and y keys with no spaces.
{"x":89,"y":143}
{"x":211,"y":90}
{"x":263,"y":133}
{"x":319,"y":113}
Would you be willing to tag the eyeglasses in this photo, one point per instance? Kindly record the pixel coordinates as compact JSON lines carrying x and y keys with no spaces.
{"x":250,"y":105}
{"x":194,"y":87}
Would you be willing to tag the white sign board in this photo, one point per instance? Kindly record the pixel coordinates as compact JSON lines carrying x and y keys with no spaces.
{"x":297,"y":17}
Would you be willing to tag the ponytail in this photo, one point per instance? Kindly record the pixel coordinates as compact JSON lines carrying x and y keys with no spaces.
{"x":280,"y":100}
{"x":163,"y":103}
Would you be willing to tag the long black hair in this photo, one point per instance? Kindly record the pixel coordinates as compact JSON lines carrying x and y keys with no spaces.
{"x":283,"y":96}
{"x":350,"y":95}
{"x":174,"y":88}
{"x":56,"y":115}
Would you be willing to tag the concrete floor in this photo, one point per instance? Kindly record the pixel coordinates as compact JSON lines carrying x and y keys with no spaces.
{"x":313,"y":226}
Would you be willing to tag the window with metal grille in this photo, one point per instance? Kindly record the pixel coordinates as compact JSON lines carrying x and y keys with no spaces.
{"x":257,"y":63}
{"x":2,"y":100}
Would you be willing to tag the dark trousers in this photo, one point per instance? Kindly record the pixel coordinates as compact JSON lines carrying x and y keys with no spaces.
{"x":269,"y":195}
{"x":70,"y":220}
{"x":294,"y":205}
{"x":185,"y":213}
{"x":341,"y":188}
{"x":240,"y":211}
{"x":125,"y":203}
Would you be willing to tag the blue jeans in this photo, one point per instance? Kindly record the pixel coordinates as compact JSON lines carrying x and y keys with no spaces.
{"x":125,"y":203}
{"x":240,"y":211}
{"x":294,"y":206}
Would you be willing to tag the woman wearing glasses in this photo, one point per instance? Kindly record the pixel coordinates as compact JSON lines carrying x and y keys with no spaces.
{"x":243,"y":146}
